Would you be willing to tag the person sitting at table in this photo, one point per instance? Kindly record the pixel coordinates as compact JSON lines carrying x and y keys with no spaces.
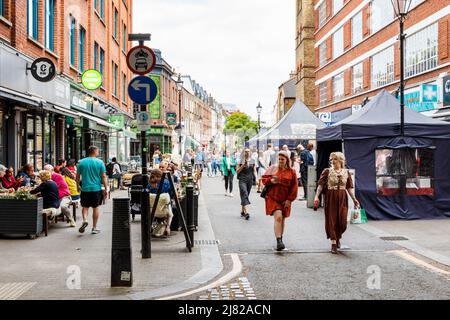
{"x":27,"y":173}
{"x":72,"y":166}
{"x":64,"y":193}
{"x":3,"y":170}
{"x":8,"y":181}
{"x":166,"y":196}
{"x":48,"y":190}
{"x":71,"y":183}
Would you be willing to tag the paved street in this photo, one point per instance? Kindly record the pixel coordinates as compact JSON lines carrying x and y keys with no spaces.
{"x":308,"y":270}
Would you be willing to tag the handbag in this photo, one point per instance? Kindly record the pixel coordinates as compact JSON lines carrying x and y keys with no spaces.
{"x":264,"y":191}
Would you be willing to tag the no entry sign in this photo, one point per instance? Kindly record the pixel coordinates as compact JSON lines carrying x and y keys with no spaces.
{"x":141,"y":60}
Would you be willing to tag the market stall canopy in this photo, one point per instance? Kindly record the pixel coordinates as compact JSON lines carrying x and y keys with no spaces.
{"x":381,"y":118}
{"x":299,"y":123}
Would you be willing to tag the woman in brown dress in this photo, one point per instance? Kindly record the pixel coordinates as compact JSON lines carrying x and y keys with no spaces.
{"x":335,"y":182}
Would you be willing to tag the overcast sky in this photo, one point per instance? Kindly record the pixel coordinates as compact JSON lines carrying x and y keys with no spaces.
{"x":240,"y":51}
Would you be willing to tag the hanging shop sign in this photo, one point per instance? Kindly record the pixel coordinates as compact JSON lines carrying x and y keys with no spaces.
{"x":43,"y":70}
{"x":92,"y":79}
{"x":171,"y":118}
{"x":117,"y":120}
{"x":446,"y":91}
{"x":141,"y":60}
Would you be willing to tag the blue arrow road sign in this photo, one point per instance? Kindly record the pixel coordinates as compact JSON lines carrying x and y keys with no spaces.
{"x":142,"y":90}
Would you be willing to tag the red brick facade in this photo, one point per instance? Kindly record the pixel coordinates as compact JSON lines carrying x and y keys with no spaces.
{"x":372,"y":40}
{"x":13,"y":29}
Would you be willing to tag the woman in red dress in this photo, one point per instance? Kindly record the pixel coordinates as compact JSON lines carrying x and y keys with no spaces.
{"x":281,"y":185}
{"x":335,"y":182}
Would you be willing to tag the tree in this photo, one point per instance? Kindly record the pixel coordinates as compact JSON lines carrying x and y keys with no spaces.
{"x":241,"y":127}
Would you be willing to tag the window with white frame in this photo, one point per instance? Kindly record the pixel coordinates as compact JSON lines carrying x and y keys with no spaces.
{"x":322,"y":14}
{"x":382,"y":13}
{"x":338,"y":87}
{"x":323,"y":94}
{"x":338,"y":43}
{"x":422,"y":51}
{"x":383,"y":68}
{"x":357,"y":29}
{"x":337,"y":5}
{"x":322,"y":54}
{"x":357,"y":78}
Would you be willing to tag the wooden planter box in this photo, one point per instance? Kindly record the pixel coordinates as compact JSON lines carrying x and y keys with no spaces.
{"x":21,"y":217}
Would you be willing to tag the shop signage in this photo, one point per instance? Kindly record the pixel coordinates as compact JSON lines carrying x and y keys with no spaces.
{"x":141,"y":60}
{"x":325,"y":116}
{"x":143,"y":121}
{"x":424,"y":99}
{"x":155,"y":106}
{"x":446,"y":91}
{"x":43,"y":69}
{"x":171,"y":118}
{"x":92,"y":79}
{"x":356,"y":108}
{"x":142,"y":90}
{"x":117,"y":120}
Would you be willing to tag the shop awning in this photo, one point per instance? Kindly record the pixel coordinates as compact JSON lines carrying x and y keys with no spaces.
{"x":191,"y":141}
{"x":129,"y":134}
{"x":97,"y":120}
{"x":20,"y":97}
{"x":63,"y":111}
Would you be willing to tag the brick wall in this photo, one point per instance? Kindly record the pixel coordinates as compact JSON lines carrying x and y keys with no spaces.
{"x":14,"y":30}
{"x":371,"y":41}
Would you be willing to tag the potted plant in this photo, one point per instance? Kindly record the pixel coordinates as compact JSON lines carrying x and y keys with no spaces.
{"x":21,"y":213}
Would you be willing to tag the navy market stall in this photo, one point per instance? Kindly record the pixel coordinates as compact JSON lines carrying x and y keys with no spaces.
{"x":298,"y":124}
{"x":396,"y":177}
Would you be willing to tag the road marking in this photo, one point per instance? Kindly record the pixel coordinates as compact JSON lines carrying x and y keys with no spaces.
{"x":420,"y":262}
{"x":235,"y":272}
{"x":13,"y":291}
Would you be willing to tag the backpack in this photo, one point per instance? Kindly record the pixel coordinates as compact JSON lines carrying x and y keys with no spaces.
{"x":109,"y":169}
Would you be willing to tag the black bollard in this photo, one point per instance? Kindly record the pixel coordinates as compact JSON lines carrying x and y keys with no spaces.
{"x":121,"y":268}
{"x":190,"y":209}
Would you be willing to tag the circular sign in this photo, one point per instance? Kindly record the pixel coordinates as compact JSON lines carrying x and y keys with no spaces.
{"x":142,"y":90}
{"x":141,"y":60}
{"x":43,"y":69}
{"x":92,"y":79}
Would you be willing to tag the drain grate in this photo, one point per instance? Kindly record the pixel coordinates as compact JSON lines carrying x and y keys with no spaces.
{"x":394,"y":238}
{"x":206,"y":242}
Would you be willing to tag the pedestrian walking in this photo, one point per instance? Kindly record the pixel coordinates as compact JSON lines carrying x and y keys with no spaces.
{"x":281,"y":190}
{"x":246,"y":174}
{"x":268,"y":155}
{"x":229,"y":171}
{"x":261,"y":168}
{"x":306,"y":161}
{"x":92,"y":172}
{"x":335,"y":182}
{"x":313,"y":152}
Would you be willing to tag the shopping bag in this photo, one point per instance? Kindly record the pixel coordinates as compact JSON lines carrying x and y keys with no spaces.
{"x":356,"y":216}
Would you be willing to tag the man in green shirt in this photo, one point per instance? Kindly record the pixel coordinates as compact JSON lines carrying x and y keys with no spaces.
{"x":92,"y":174}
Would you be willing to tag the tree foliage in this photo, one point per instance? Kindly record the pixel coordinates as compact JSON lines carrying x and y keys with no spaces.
{"x":240,"y":122}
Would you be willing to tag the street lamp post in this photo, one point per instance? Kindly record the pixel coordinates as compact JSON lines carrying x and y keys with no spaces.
{"x":401,"y":9}
{"x":179,"y":128}
{"x":258,"y":109}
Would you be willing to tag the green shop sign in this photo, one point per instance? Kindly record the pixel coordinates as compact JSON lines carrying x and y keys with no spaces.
{"x":155,"y":106}
{"x":117,"y":120}
{"x":91,"y":79}
{"x":171,"y":118}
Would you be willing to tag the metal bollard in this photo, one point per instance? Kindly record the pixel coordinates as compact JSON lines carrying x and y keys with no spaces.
{"x":190,"y":209}
{"x":121,"y":268}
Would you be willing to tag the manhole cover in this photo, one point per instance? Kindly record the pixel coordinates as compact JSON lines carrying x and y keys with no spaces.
{"x":394,"y":238}
{"x":206,"y":242}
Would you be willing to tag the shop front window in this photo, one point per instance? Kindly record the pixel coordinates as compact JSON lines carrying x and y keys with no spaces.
{"x":407,"y":171}
{"x":39,"y":144}
{"x":50,"y":142}
{"x":30,"y":140}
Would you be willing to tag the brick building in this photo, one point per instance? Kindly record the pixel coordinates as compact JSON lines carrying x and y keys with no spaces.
{"x":356,"y":51}
{"x":286,"y":97}
{"x":43,"y":122}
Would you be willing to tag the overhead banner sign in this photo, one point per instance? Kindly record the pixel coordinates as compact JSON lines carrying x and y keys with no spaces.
{"x":155,"y":106}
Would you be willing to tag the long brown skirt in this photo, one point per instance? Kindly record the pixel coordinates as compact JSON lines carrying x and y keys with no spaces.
{"x":336,"y":209}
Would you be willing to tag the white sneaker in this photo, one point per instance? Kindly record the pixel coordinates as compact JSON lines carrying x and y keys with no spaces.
{"x":231,"y":195}
{"x":226,"y":194}
{"x":95,"y":231}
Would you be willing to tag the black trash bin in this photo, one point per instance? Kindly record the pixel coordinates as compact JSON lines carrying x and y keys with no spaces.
{"x":135,"y":191}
